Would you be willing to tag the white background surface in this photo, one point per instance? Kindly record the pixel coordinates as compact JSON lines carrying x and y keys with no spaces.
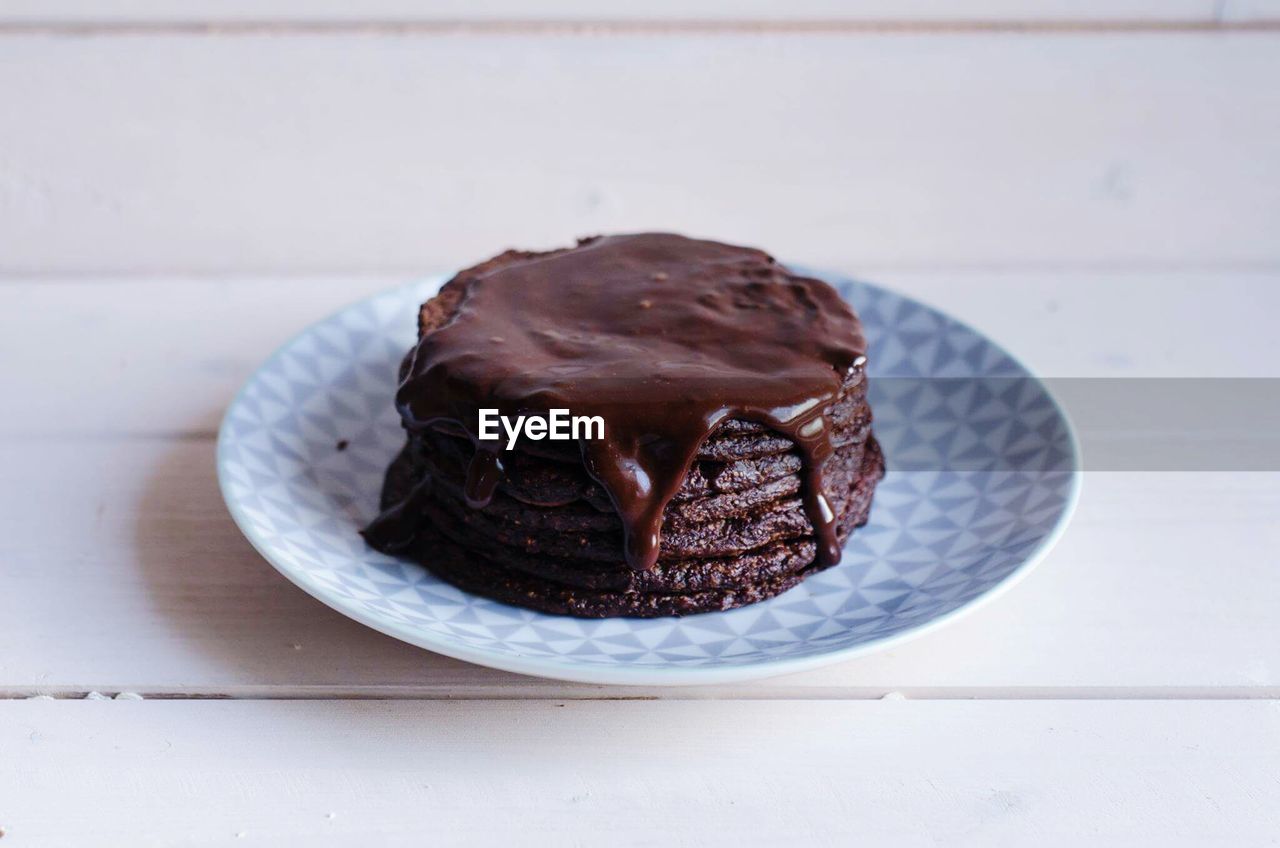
{"x":184,"y":186}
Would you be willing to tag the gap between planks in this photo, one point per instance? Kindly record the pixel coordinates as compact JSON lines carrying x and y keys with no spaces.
{"x":393,"y":276}
{"x":605,"y":27}
{"x":549,"y":690}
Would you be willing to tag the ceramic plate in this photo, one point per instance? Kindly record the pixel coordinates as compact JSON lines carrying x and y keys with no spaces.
{"x":983,"y":476}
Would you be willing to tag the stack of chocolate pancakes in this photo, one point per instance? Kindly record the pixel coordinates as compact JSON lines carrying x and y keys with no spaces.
{"x":736,"y":457}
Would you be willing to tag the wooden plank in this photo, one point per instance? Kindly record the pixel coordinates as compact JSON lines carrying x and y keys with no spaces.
{"x":688,"y":773}
{"x":149,"y":357}
{"x":165,"y":356}
{"x":388,"y":152}
{"x":152,"y":11}
{"x":124,"y":572}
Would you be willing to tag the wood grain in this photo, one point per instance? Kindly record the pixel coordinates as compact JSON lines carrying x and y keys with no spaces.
{"x":681,"y":773}
{"x":164,"y":356}
{"x":327,"y":153}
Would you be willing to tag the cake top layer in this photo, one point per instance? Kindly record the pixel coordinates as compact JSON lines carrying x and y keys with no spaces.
{"x":663,"y":337}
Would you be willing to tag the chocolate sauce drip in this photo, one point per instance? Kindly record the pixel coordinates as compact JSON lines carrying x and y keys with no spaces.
{"x":483,"y":475}
{"x":662,"y":336}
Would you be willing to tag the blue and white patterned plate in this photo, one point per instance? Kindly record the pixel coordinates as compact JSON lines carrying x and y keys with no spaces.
{"x":983,"y":476}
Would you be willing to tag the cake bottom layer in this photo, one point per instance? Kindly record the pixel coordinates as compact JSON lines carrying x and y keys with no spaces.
{"x":783,"y":564}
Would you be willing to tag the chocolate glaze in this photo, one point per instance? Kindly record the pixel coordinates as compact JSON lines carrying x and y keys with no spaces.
{"x":665,"y":338}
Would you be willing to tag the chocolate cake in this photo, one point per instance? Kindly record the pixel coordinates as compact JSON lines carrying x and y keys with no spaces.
{"x":736,"y":453}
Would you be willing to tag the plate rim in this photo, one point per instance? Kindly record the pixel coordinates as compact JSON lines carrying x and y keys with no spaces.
{"x":565,"y":669}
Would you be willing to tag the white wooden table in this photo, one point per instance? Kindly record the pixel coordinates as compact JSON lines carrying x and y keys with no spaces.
{"x":184,"y":186}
